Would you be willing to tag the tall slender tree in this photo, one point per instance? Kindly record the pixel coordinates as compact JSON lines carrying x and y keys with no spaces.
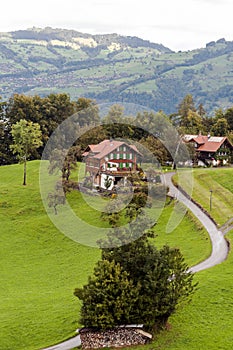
{"x":26,"y":138}
{"x":186,"y":105}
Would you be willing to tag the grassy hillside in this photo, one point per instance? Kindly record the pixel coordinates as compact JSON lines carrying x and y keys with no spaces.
{"x":219,"y":180}
{"x":114,"y":68}
{"x":40,"y":267}
{"x":207,"y":322}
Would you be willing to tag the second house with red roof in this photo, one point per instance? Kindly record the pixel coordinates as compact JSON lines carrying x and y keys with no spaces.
{"x":211,"y":150}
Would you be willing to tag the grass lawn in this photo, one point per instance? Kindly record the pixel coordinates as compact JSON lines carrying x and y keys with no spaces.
{"x":220,"y":181}
{"x":206,"y":323}
{"x":189,"y":236}
{"x":40,"y":267}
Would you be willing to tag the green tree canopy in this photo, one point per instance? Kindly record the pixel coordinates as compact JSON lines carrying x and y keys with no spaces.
{"x":159,"y":278}
{"x":109,"y":297}
{"x":186,"y":105}
{"x":229,"y":117}
{"x":191,"y":123}
{"x":117,"y":124}
{"x":220,"y":128}
{"x":161,"y":274}
{"x":87,"y":112}
{"x":26,"y":138}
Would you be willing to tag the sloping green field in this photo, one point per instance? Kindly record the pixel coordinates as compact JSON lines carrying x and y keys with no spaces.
{"x":206,"y":323}
{"x":40,"y":267}
{"x":217,"y":180}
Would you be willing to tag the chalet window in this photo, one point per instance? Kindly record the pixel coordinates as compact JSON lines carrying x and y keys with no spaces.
{"x":111,"y":155}
{"x":118,"y":156}
{"x":124,"y":156}
{"x":130,"y":156}
{"x":124,"y":148}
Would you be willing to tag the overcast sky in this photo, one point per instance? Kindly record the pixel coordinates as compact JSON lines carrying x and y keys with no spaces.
{"x":177,"y":24}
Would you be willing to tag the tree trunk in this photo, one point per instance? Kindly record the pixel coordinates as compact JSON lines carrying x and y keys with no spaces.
{"x":24,"y":172}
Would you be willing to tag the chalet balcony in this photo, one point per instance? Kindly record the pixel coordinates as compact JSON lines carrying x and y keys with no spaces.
{"x":118,"y":171}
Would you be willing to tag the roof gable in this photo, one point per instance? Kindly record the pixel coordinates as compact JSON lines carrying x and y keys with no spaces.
{"x":105,"y":147}
{"x":200,"y":140}
{"x":212,"y":144}
{"x":207,"y":143}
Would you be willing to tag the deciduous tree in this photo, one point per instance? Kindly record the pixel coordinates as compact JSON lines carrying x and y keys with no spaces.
{"x":220,"y":128}
{"x":26,"y":138}
{"x":186,"y":105}
{"x":229,"y":117}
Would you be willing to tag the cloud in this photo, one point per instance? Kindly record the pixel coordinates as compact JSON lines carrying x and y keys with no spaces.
{"x":215,"y":2}
{"x":179,"y":24}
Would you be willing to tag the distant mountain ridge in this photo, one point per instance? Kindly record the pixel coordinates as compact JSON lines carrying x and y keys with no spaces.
{"x":50,"y":35}
{"x":112,"y":67}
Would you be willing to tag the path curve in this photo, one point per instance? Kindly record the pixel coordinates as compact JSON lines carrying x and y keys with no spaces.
{"x":219,"y":244}
{"x":66,"y":345}
{"x":219,"y":247}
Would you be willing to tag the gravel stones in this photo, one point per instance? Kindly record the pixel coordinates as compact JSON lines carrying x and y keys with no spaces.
{"x":117,"y":337}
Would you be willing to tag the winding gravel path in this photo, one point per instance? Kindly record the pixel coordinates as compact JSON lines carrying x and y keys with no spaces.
{"x":67,"y":345}
{"x":219,"y":248}
{"x":219,"y":244}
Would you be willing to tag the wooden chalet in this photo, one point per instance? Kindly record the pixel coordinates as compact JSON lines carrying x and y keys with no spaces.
{"x":110,"y":159}
{"x":211,"y":150}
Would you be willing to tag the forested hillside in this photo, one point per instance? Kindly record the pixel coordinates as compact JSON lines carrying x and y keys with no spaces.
{"x":52,"y":110}
{"x":114,"y":68}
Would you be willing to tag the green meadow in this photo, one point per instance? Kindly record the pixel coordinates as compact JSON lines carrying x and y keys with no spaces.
{"x":205,"y":323}
{"x":217,"y":180}
{"x":40,"y":267}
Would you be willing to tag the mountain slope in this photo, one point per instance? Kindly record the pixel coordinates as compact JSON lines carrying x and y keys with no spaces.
{"x":114,"y":68}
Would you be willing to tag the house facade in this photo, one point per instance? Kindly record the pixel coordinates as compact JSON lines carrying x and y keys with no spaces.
{"x":109,"y":162}
{"x":211,"y":150}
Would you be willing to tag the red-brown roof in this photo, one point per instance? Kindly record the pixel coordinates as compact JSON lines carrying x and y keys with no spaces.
{"x":107,"y":146}
{"x":212,"y":144}
{"x":85,"y":154}
{"x":207,"y":143}
{"x":200,"y":139}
